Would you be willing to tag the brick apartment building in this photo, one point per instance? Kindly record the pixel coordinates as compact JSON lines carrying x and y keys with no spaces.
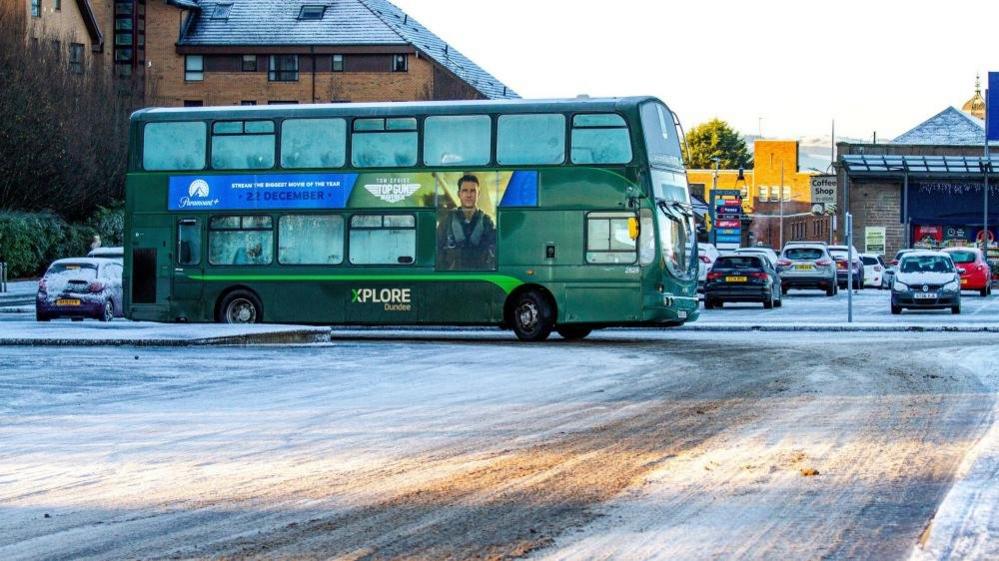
{"x":231,"y":52}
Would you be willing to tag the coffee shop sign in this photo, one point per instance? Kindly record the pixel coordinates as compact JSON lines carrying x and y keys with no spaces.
{"x":824,"y":191}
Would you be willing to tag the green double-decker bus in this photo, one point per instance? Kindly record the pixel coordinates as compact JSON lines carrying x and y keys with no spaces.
{"x":565,"y":215}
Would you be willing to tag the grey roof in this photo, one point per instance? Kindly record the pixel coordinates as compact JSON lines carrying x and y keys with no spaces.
{"x":949,"y":127}
{"x":346,"y":23}
{"x":186,"y":4}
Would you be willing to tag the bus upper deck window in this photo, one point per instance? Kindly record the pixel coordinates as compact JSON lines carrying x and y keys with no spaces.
{"x":530,"y":139}
{"x":600,"y":138}
{"x":459,"y":140}
{"x":174,"y":146}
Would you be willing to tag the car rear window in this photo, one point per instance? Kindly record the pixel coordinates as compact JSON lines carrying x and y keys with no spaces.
{"x":926,"y":264}
{"x":838,"y":254}
{"x":963,"y":256}
{"x":803,"y":253}
{"x":739,"y":262}
{"x":869,"y":260}
{"x":62,"y":275}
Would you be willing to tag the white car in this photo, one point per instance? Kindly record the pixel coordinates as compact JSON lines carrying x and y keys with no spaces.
{"x":770,"y":254}
{"x":874,"y":269}
{"x":706,"y":256}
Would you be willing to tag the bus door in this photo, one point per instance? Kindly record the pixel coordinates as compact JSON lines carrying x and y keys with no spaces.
{"x":148,"y":289}
{"x":188,"y":269}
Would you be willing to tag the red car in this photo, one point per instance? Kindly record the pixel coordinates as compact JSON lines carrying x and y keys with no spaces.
{"x":974,"y":269}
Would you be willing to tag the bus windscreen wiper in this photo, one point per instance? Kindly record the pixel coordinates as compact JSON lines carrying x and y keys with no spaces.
{"x":675,"y":209}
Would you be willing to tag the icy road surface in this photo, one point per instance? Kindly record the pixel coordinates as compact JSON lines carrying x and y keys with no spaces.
{"x":632,"y":445}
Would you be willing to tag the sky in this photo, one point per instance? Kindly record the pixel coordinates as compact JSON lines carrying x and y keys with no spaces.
{"x":783,"y":68}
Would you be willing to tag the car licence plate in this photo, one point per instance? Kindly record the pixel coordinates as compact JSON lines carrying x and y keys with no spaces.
{"x":804,"y":267}
{"x":735,"y":279}
{"x":924,"y":295}
{"x":67,"y":302}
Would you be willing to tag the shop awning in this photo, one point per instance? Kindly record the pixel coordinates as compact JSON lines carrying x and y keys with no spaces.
{"x":877,"y":165}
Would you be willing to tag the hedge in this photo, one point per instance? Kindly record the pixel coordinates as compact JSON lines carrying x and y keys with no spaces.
{"x":30,"y":241}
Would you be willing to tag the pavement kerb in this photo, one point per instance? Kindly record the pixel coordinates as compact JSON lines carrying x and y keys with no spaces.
{"x":845,"y":328}
{"x":293,"y":337}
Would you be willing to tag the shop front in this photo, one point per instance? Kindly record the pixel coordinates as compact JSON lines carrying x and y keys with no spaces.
{"x":950,"y":213}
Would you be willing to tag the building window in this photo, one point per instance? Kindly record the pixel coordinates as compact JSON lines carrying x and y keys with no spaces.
{"x":194,"y":68}
{"x":311,"y":12}
{"x":221,"y":11}
{"x":193,"y":103}
{"x":400,"y":63}
{"x":249,"y":63}
{"x":57,"y":4}
{"x":248,"y":102}
{"x":282,"y":102}
{"x":283,"y":68}
{"x":36,"y":8}
{"x":337,"y":63}
{"x":76,"y":58}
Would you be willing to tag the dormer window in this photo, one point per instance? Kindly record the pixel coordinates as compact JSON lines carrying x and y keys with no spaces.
{"x":312,"y":12}
{"x":221,"y":11}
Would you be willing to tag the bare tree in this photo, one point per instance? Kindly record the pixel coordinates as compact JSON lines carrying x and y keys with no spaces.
{"x":64,"y":135}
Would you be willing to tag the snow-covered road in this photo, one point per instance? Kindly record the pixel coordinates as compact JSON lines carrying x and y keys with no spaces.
{"x":633,"y":445}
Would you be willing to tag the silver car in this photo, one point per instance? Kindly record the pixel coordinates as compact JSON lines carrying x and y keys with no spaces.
{"x":807,"y":266}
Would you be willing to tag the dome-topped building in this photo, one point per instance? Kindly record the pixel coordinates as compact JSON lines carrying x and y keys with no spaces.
{"x":976,"y":105}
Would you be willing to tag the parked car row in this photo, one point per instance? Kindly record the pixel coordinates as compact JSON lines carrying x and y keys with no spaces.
{"x":759,"y":274}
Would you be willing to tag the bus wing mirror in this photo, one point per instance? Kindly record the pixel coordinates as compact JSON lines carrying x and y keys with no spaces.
{"x":633,"y":228}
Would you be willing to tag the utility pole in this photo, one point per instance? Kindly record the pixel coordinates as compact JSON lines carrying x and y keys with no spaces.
{"x":711,"y":202}
{"x":781,"y":206}
{"x":986,"y":167}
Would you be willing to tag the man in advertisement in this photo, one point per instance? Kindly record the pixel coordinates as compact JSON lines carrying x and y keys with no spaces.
{"x":466,"y":236}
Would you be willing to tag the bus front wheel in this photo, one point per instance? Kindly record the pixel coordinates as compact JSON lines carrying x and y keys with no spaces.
{"x":533,"y":317}
{"x":240,"y":306}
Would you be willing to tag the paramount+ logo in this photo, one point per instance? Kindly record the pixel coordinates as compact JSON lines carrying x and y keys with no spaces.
{"x":393,"y":299}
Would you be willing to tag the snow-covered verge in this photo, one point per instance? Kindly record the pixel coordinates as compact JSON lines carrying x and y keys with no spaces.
{"x":966,"y":526}
{"x":21,"y":330}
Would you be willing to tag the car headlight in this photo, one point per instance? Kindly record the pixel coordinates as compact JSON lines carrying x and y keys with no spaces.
{"x":899,"y":286}
{"x":952,"y":285}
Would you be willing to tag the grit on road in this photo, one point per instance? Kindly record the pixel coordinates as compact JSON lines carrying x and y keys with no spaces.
{"x":631,"y":445}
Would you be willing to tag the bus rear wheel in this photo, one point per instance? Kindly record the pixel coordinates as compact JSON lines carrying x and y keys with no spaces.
{"x":573,"y":332}
{"x":533,"y":317}
{"x":240,"y":306}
